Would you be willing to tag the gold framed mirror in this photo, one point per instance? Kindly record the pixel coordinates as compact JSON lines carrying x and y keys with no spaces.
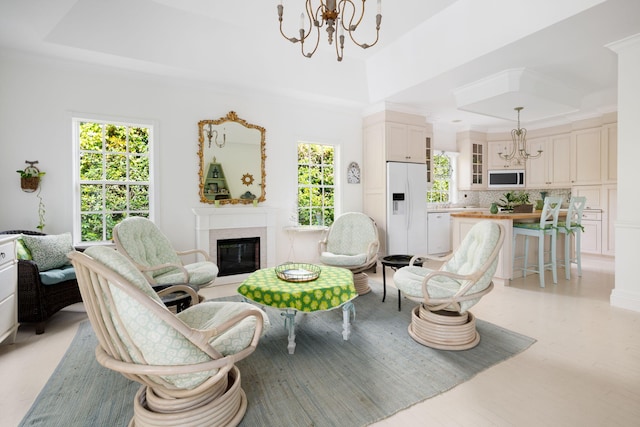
{"x":232,"y":155}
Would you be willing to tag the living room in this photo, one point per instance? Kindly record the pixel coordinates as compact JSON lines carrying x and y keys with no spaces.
{"x":42,"y":93}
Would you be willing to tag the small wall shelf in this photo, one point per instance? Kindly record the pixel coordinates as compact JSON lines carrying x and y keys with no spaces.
{"x":215,"y":184}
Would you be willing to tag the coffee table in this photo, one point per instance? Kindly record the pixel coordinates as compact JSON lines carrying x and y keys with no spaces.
{"x":395,"y":262}
{"x":332,"y":289}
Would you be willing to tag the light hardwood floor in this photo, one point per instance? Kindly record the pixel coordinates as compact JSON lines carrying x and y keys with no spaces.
{"x":584,"y":369}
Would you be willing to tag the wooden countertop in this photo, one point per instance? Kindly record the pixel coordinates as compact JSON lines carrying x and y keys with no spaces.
{"x":501,"y":215}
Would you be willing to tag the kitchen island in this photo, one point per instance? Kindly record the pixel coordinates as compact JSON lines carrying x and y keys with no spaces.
{"x":463,"y":221}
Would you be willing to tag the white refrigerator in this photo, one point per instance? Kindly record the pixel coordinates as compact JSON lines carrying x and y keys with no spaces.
{"x":406,"y":208}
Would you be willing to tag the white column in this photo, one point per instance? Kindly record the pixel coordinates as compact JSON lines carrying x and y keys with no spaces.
{"x":626,"y":293}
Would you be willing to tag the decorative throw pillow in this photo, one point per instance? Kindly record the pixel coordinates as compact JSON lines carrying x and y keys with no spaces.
{"x":49,"y":251}
{"x":23,"y":252}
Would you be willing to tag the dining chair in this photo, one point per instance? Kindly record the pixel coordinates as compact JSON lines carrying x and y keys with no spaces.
{"x":546,"y":227}
{"x":572,"y":226}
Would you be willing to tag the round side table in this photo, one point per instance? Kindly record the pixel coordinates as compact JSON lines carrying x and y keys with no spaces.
{"x":395,"y":262}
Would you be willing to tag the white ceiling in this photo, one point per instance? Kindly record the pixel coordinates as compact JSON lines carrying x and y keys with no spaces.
{"x":468,"y":62}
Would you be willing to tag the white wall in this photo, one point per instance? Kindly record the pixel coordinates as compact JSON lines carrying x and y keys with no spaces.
{"x":38,"y":96}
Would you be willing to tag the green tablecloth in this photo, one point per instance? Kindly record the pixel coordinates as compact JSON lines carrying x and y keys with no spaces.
{"x":333,"y":288}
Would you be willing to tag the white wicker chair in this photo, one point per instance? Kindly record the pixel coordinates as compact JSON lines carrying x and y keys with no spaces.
{"x":352,"y":242}
{"x":140,"y":240}
{"x":442,"y":320}
{"x":185,"y":362}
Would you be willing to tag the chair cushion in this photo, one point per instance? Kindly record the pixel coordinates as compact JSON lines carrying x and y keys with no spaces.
{"x":351,"y":234}
{"x":531,"y":225}
{"x":57,"y":275}
{"x":147,"y":245}
{"x":473,"y":252}
{"x":160,"y":343}
{"x":209,"y":314}
{"x":49,"y":251}
{"x":200,"y":273}
{"x":338,"y":260}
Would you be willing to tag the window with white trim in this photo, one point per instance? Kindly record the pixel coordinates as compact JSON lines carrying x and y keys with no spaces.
{"x":316,"y":184}
{"x":112,"y":176}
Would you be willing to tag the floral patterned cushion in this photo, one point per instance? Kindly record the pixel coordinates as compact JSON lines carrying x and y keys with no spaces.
{"x":49,"y":251}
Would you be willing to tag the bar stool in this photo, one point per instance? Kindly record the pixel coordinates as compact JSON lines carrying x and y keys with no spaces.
{"x":546,"y":227}
{"x":572,"y":226}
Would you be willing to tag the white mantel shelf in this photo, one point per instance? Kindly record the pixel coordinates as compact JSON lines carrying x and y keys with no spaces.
{"x":226,"y":218}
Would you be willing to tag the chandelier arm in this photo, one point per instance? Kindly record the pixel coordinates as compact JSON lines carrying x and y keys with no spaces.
{"x":352,"y":27}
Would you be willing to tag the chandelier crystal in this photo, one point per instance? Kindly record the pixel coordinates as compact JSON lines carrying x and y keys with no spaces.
{"x":519,"y":148}
{"x":341,"y":15}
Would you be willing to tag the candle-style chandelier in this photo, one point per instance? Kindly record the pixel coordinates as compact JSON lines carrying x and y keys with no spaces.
{"x":342,"y":15}
{"x":519,"y":147}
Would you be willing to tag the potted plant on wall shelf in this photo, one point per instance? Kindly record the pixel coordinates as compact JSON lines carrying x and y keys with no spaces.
{"x":30,"y":178}
{"x":30,"y":182}
{"x":516,"y":202}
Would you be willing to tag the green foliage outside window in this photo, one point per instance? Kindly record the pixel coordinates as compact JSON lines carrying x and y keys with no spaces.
{"x":439,"y":192}
{"x":316,"y":191}
{"x":114,"y":177}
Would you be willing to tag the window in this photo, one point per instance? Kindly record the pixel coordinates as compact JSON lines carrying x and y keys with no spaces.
{"x":112,"y":177}
{"x":440,"y":192}
{"x":316,"y":190}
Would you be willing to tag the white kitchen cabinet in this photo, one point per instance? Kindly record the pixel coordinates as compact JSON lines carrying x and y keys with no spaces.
{"x":552,"y":168}
{"x":586,"y":157}
{"x":405,"y":143}
{"x":8,"y":289}
{"x":472,"y":172}
{"x":494,"y":161}
{"x":592,"y":235}
{"x":438,"y":232}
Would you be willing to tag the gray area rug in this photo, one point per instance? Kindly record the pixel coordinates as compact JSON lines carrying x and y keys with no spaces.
{"x":327,"y":382}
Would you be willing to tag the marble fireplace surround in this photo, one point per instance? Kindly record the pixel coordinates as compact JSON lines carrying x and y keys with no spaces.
{"x":213,"y":224}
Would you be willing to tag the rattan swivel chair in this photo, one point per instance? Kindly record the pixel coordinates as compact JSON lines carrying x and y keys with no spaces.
{"x":442,"y":320}
{"x":185,"y":362}
{"x":142,"y":242}
{"x":352,"y":242}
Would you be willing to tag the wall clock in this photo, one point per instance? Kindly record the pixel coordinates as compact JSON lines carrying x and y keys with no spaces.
{"x":353,"y":173}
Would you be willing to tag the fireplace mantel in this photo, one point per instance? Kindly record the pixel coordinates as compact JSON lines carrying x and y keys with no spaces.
{"x":231,"y":218}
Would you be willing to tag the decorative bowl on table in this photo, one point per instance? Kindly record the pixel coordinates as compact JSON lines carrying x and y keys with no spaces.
{"x":297,"y":272}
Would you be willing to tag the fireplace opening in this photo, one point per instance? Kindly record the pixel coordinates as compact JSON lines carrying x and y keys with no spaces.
{"x":238,"y":256}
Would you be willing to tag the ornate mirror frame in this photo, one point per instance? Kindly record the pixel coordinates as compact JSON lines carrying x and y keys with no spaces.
{"x":218,"y":147}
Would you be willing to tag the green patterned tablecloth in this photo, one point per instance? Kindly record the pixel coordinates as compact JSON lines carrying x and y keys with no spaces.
{"x":333,"y":288}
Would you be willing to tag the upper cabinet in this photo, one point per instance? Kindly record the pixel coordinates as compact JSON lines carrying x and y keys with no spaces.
{"x":405,"y":143}
{"x":472,"y":172}
{"x":586,"y":156}
{"x":494,"y":161}
{"x":551,"y":170}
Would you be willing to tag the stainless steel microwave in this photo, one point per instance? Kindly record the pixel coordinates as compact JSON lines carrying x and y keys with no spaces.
{"x":506,"y":178}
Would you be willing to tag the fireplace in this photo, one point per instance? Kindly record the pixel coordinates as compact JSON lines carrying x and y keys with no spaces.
{"x":229,"y":223}
{"x":237,"y":256}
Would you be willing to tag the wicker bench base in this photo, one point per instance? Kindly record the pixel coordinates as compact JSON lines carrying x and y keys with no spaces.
{"x":443,"y":330}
